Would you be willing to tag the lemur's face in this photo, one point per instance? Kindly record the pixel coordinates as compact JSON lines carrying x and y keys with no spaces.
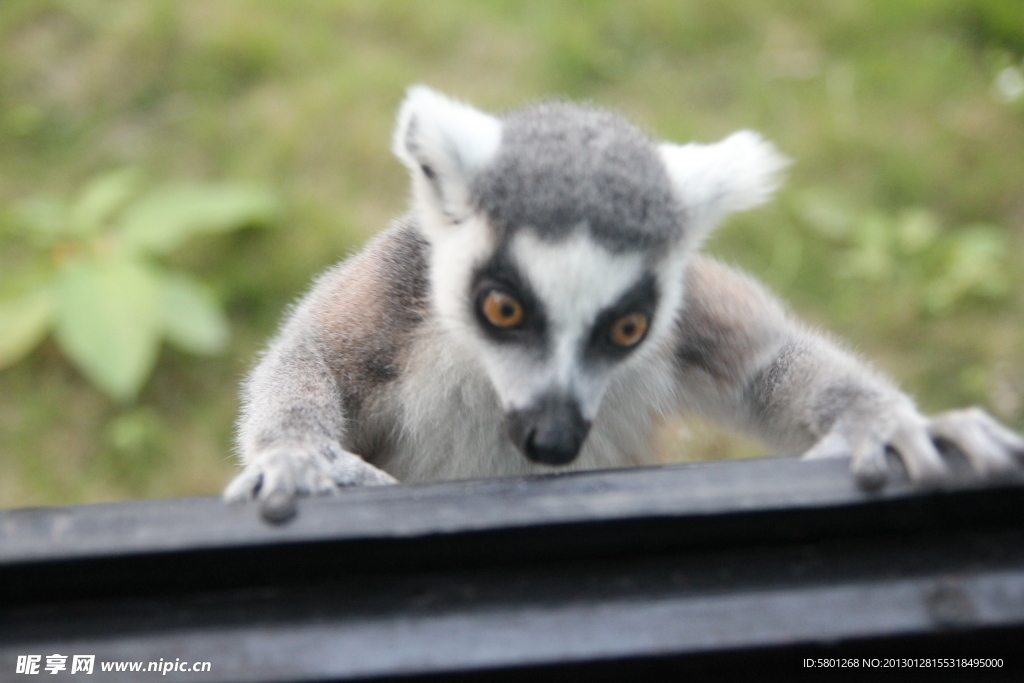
{"x":559,"y":238}
{"x":553,"y":321}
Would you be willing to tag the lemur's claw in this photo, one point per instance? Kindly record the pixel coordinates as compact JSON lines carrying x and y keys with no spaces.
{"x":992,"y":450}
{"x":276,"y":478}
{"x":278,"y":507}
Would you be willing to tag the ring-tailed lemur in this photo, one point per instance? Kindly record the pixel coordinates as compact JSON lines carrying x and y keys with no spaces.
{"x":543,"y":305}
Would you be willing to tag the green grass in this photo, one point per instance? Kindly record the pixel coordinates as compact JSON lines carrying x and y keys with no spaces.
{"x":884,"y":106}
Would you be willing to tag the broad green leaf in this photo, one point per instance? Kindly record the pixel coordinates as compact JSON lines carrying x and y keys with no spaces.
{"x":109,"y":323}
{"x":24,"y":321}
{"x":102,"y":198}
{"x":192,"y":318}
{"x":164,"y":218}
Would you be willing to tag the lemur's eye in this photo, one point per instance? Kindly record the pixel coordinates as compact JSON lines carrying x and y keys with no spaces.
{"x":502,"y":310}
{"x":629,"y":329}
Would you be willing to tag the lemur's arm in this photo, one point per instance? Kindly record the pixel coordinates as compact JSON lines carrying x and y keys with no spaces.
{"x":337,"y":349}
{"x":743,"y":361}
{"x":292,"y":424}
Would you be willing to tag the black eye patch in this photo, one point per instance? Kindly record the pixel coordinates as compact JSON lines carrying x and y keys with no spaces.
{"x":501,"y":276}
{"x":640,"y":298}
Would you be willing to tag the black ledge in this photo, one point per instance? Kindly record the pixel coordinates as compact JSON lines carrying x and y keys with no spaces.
{"x":658,"y":572}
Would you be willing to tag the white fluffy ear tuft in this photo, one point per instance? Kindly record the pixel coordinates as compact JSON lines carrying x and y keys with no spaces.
{"x":738,"y":173}
{"x":444,"y":143}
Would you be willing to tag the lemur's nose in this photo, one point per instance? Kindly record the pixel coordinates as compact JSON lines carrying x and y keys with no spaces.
{"x":551,"y":431}
{"x":552,"y":446}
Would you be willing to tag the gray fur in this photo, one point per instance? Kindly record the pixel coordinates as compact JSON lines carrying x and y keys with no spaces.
{"x":563,"y":165}
{"x":383,"y":372}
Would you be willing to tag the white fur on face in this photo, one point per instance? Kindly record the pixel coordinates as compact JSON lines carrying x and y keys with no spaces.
{"x":456,"y":251}
{"x":575,"y":280}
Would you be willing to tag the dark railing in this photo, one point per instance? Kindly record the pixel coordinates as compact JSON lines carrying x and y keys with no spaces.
{"x":773,"y":566}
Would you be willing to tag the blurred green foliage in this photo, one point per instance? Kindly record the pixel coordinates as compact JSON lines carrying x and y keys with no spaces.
{"x":901,"y":229}
{"x":90,"y":273}
{"x":911,"y":251}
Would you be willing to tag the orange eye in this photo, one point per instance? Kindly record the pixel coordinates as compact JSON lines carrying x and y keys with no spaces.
{"x":629,"y":329}
{"x":502,"y":310}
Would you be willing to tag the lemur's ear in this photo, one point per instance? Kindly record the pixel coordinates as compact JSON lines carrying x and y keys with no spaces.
{"x":740,"y":172}
{"x":444,"y":143}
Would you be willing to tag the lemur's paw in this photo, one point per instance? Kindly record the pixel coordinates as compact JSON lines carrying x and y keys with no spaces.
{"x":992,"y":450}
{"x":276,"y":477}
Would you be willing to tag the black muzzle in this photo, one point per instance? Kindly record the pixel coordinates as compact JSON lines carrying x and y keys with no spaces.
{"x":550,"y":432}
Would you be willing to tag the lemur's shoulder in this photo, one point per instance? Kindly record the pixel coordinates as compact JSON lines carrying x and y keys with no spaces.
{"x":365,"y":308}
{"x":727,"y":321}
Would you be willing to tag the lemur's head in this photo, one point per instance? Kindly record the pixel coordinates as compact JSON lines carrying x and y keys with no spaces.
{"x":559,"y":238}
